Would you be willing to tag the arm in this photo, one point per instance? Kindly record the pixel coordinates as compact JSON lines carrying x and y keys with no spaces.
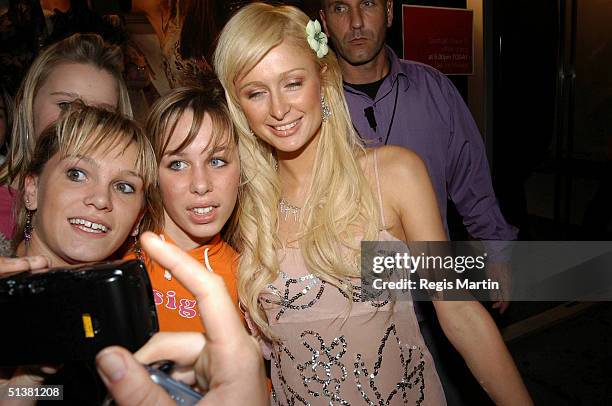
{"x":466,"y":324}
{"x":470,"y":187}
{"x":467,"y":174}
{"x":473,"y":333}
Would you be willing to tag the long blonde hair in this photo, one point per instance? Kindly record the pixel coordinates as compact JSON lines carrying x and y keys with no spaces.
{"x":207,"y":98}
{"x":79,"y":48}
{"x":82,"y":129}
{"x":331,"y":222}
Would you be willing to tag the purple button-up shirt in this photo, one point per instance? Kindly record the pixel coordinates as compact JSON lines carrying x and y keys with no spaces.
{"x":417,"y":107}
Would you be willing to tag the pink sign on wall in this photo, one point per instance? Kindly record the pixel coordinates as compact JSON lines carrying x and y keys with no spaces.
{"x":440,"y":37}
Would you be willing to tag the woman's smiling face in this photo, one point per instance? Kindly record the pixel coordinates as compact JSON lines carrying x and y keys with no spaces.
{"x":86,"y":206}
{"x":281,"y":98}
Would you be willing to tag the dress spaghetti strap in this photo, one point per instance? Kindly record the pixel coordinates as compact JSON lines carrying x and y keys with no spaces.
{"x":380,"y":200}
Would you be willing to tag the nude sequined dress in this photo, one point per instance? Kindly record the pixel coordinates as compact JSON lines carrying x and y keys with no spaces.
{"x":370,"y":353}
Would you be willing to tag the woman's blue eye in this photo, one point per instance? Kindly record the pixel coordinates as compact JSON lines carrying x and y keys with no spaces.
{"x":217,"y":162}
{"x":63,"y":105}
{"x":76,"y":175}
{"x":177,"y":165}
{"x":125,"y":188}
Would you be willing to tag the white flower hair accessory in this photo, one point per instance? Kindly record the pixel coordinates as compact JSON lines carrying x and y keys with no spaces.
{"x":316,"y":38}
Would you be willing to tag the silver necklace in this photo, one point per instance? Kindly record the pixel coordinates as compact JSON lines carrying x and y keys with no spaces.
{"x":287,"y":208}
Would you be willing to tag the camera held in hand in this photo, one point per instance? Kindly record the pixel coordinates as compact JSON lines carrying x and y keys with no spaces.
{"x":70,"y":314}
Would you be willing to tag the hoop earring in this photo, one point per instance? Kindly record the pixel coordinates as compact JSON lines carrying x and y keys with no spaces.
{"x":27,"y":228}
{"x":325,"y":109}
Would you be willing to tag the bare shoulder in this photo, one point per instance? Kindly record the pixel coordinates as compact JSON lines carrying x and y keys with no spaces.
{"x":398,"y":164}
{"x":405,"y":188}
{"x":409,"y":201}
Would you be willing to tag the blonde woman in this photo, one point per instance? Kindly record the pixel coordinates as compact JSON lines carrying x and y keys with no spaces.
{"x":81,"y":67}
{"x":311,"y":194}
{"x":90,"y":185}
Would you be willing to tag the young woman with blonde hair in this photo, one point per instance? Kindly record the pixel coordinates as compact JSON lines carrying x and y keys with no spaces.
{"x":312,"y":192}
{"x":39,"y":102}
{"x":90,"y":184}
{"x":81,"y":67}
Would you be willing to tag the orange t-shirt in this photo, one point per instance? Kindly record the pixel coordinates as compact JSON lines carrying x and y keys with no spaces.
{"x":176,"y":306}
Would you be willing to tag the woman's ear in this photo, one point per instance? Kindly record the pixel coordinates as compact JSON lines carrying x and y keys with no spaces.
{"x":323,"y":70}
{"x":322,"y":75}
{"x":323,"y":79}
{"x":31,"y":192}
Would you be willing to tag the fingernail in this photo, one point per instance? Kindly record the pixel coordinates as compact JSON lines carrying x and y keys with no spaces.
{"x":111,"y":365}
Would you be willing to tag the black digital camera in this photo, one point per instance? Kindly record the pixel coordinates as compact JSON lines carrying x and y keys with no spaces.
{"x":70,"y":314}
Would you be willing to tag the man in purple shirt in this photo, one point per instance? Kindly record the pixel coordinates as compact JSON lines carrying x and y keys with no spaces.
{"x":399,"y":102}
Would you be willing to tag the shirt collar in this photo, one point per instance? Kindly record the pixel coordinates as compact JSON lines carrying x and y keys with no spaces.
{"x":395,"y":72}
{"x":214,"y":245}
{"x":395,"y":68}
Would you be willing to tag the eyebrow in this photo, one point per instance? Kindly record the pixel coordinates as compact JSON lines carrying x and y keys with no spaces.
{"x":211,"y":152}
{"x":85,"y":158}
{"x":283,"y":75}
{"x":76,"y":96}
{"x":95,"y":164}
{"x":336,"y":3}
{"x":131,"y":172}
{"x":70,"y":94}
{"x":217,"y":149}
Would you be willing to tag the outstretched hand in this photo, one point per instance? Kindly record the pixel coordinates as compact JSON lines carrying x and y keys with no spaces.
{"x":226,"y":360}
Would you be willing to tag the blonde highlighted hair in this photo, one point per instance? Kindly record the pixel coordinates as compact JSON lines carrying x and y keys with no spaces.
{"x":82,"y":130}
{"x":207,"y":98}
{"x":87,"y":49}
{"x":332,"y":224}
